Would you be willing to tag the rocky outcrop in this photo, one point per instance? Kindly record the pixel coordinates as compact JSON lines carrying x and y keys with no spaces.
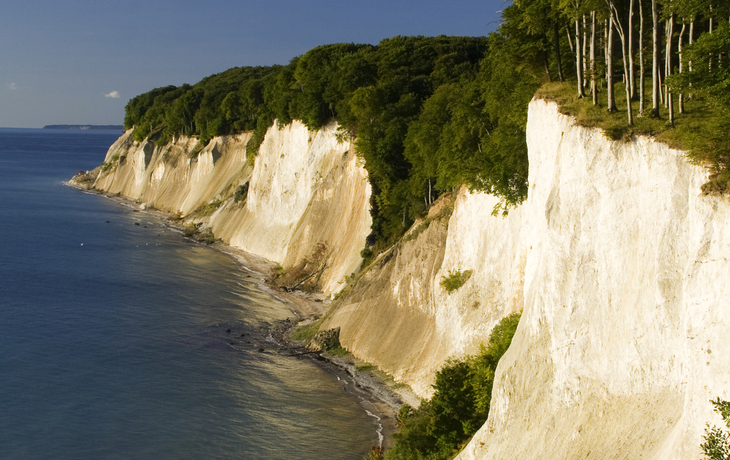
{"x":324,"y":340}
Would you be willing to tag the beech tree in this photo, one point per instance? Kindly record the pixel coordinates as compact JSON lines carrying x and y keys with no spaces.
{"x":574,"y":9}
{"x":655,"y":77}
{"x":616,"y":23}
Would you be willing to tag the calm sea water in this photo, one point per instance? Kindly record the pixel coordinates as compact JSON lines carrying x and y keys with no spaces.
{"x":113,"y":341}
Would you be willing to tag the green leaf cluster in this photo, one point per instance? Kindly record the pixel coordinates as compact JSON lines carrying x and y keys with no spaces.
{"x":716,"y":445}
{"x":455,"y":280}
{"x":459,"y":406}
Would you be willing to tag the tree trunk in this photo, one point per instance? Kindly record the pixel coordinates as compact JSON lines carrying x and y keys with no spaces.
{"x":605,"y":49}
{"x":679,"y":51}
{"x":594,"y":92}
{"x":691,"y":40}
{"x":632,"y":81}
{"x":570,"y":39}
{"x":667,"y":58}
{"x":558,"y":62}
{"x":711,"y":20}
{"x":641,"y":60}
{"x":670,"y":98}
{"x":585,"y":51}
{"x":546,"y":65}
{"x":611,"y":100}
{"x":578,"y":59}
{"x":655,"y":64}
{"x":629,"y":110}
{"x":616,"y":23}
{"x":711,"y":29}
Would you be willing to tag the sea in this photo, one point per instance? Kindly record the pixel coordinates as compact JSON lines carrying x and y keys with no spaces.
{"x":121,"y":339}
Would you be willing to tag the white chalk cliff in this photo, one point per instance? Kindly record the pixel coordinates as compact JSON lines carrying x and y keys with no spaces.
{"x":308,"y":195}
{"x":617,"y":260}
{"x":624,"y":333}
{"x":620,"y":266}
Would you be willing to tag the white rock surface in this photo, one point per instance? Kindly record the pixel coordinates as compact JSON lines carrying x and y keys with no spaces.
{"x":623,"y":338}
{"x":400,"y":318}
{"x":307,"y":193}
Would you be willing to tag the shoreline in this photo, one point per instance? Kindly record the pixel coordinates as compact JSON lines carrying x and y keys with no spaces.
{"x":377,"y":398}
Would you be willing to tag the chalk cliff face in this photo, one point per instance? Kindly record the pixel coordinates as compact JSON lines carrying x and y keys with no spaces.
{"x":401,"y":318}
{"x":620,"y":267}
{"x":623,"y":338}
{"x":307,"y":205}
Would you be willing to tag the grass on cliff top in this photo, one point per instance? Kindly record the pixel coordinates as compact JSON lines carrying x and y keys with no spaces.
{"x":698,"y":116}
{"x":697,"y":130}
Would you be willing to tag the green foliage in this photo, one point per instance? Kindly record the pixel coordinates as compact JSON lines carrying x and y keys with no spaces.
{"x":376,"y":453}
{"x":305,"y":332}
{"x":338,"y":351}
{"x":208,"y":208}
{"x":455,"y":280}
{"x":106,"y":166}
{"x":709,"y":80}
{"x":190,"y":230}
{"x":460,"y":404}
{"x":113,"y":161}
{"x":366,"y":253}
{"x":241,"y":193}
{"x":716,"y":445}
{"x":207,"y":238}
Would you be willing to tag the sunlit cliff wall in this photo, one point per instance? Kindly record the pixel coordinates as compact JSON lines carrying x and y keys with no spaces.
{"x":623,"y":338}
{"x":308,"y":196}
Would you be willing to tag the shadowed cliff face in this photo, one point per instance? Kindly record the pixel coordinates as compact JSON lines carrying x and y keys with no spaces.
{"x":400,"y":317}
{"x":307,"y":195}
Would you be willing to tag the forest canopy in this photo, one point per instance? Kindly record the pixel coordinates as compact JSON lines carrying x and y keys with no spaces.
{"x":429,"y":114}
{"x":419,"y":109}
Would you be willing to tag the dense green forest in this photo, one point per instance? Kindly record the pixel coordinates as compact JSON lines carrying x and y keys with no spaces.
{"x":429,"y":114}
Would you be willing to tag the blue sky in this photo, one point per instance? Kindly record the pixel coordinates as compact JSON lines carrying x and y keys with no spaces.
{"x":80,"y":61}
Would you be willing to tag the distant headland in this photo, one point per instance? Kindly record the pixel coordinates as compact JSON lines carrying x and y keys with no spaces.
{"x":86,"y":127}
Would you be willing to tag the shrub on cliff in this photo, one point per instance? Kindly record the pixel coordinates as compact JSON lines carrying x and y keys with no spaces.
{"x":717,"y":440}
{"x":460,"y":404}
{"x":455,"y":280}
